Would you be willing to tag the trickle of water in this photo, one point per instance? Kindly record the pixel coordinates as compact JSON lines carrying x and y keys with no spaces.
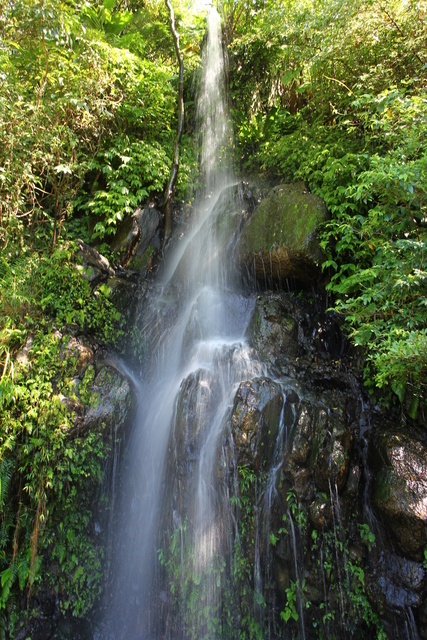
{"x":410,"y":625}
{"x":298,"y":577}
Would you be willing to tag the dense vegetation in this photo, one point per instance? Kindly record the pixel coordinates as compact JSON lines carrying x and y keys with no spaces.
{"x":335,"y":94}
{"x":330,"y":92}
{"x":87,"y":113}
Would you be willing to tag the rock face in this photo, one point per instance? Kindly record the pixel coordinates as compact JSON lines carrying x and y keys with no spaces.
{"x":303,"y":427}
{"x":138,"y":239}
{"x":279,"y":241}
{"x":336,"y":516}
{"x":336,"y":520}
{"x":194,"y":407}
{"x":273,"y":330}
{"x":399,"y":488}
{"x":255,"y":421}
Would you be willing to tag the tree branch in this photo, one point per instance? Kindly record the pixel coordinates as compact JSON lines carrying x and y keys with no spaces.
{"x":175,"y":162}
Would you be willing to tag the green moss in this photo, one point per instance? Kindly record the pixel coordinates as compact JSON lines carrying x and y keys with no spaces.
{"x":140,"y":262}
{"x":287,"y":217}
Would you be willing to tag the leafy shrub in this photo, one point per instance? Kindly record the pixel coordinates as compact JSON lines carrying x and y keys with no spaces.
{"x":130,"y":170}
{"x":347,"y":116}
{"x":49,"y":474}
{"x":38,"y":288}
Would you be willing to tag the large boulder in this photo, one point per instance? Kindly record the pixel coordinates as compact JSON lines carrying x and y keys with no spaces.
{"x":279,"y":241}
{"x":255,"y":421}
{"x":399,"y":488}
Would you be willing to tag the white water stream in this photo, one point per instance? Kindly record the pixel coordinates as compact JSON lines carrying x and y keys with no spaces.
{"x":194,"y":330}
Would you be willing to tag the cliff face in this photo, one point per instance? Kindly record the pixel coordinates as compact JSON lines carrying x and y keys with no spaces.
{"x":327,"y":493}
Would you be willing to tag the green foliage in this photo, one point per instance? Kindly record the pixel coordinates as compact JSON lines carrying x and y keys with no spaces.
{"x":217,"y":598}
{"x":87,"y":110}
{"x":344,"y":110}
{"x":37,"y":288}
{"x":193,"y":585}
{"x":87,"y":104}
{"x":188,"y":174}
{"x":346,"y":606}
{"x":290,"y":611}
{"x":347,"y":603}
{"x":87,"y":107}
{"x":49,"y":472}
{"x":131,"y":171}
{"x":366,"y":535}
{"x":50,"y":475}
{"x":378,"y":239}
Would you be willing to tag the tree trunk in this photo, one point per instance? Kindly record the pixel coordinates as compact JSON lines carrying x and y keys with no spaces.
{"x":175,"y":162}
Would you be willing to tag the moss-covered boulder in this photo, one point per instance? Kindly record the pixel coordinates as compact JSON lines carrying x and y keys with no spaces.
{"x":279,"y":241}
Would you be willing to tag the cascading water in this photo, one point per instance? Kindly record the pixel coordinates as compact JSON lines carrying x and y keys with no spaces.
{"x":239,"y":484}
{"x":194,"y":329}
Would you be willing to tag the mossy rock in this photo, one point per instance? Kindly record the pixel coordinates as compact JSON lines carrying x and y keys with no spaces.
{"x":279,"y":241}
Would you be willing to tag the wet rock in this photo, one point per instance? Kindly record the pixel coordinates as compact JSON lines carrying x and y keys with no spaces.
{"x":423,"y":619}
{"x":302,"y":438}
{"x":255,"y":421}
{"x":193,"y":413}
{"x":194,"y":409}
{"x":320,"y":512}
{"x":410,"y":574}
{"x":303,"y":484}
{"x":110,"y":401}
{"x":279,"y":241}
{"x":352,"y":487}
{"x":328,"y":340}
{"x":273,"y":329}
{"x":399,"y":488}
{"x":94,"y":263}
{"x":397,"y":596}
{"x":331,"y":449}
{"x":281,"y":574}
{"x":137,"y":239}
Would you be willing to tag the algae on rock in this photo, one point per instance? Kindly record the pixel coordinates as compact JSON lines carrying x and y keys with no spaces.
{"x":279,"y":240}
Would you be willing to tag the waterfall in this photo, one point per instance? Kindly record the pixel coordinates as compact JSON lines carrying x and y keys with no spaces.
{"x":235,"y":513}
{"x":175,"y":494}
